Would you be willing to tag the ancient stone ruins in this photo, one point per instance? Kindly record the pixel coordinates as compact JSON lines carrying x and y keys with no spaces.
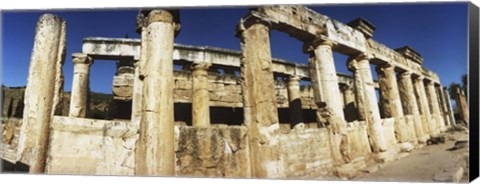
{"x":229,"y":113}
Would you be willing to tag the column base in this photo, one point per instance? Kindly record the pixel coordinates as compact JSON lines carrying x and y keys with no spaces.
{"x":350,"y":170}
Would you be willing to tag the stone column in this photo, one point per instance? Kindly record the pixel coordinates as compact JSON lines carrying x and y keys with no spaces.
{"x":391,"y":102}
{"x":44,"y":77}
{"x":259,"y":99}
{"x":155,"y":154}
{"x":462,"y":105}
{"x":409,"y":104}
{"x":200,"y":98}
{"x":350,"y":109}
{"x":442,"y":104}
{"x":367,"y":101}
{"x":80,"y":83}
{"x":137,"y":93}
{"x":423,"y":107}
{"x":295,"y":103}
{"x":327,"y":97}
{"x":434,"y":107}
{"x":449,"y":107}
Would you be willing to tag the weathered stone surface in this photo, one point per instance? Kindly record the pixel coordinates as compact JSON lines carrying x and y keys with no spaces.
{"x":462,"y":105}
{"x":410,"y":104}
{"x":200,"y":96}
{"x":367,"y":102}
{"x":155,"y":150}
{"x":213,"y":152}
{"x":423,"y":107}
{"x":10,"y":131}
{"x":12,"y":99}
{"x":295,"y":103}
{"x":391,"y":102}
{"x":87,"y":146}
{"x":80,"y":83}
{"x":435,"y":107}
{"x":260,"y":108}
{"x":43,"y":81}
{"x":327,"y":97}
{"x":306,"y":153}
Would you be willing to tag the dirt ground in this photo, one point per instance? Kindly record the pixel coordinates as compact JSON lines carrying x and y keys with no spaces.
{"x":422,"y":164}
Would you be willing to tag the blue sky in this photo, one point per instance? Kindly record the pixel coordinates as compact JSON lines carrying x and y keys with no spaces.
{"x":438,"y":31}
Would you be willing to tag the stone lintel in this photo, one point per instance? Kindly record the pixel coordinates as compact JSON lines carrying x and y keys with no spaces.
{"x":410,"y":53}
{"x":364,"y":26}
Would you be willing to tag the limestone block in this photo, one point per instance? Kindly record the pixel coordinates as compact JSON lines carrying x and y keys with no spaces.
{"x":213,"y":152}
{"x":306,"y":153}
{"x":88,"y":146}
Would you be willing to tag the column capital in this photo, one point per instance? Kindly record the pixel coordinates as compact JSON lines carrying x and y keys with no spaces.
{"x":355,"y":62}
{"x":81,"y":58}
{"x":385,"y":67}
{"x":294,"y":78}
{"x":405,"y":74}
{"x":419,"y":78}
{"x":148,"y":16}
{"x":310,"y":46}
{"x":201,"y":66}
{"x":247,"y":22}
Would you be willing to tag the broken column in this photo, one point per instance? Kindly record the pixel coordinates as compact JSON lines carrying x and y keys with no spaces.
{"x":260,"y":105}
{"x":80,"y":82}
{"x":391,"y":102}
{"x":43,"y":79}
{"x":462,"y":106}
{"x":200,"y":98}
{"x":155,"y":149}
{"x":409,"y":104}
{"x":294,"y":101}
{"x":327,"y":96}
{"x":423,"y":107}
{"x":367,"y":103}
{"x":434,"y":106}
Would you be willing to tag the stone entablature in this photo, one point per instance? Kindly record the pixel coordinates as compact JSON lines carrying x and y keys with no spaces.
{"x":306,"y":24}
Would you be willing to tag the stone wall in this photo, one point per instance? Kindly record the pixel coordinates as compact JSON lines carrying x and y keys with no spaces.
{"x":88,"y":146}
{"x":389,"y":132}
{"x":100,"y":147}
{"x":212,"y":152}
{"x":306,"y":153}
{"x":358,"y":137}
{"x":10,"y":131}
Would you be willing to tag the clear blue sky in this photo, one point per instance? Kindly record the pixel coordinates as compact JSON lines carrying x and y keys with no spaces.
{"x":438,"y":31}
